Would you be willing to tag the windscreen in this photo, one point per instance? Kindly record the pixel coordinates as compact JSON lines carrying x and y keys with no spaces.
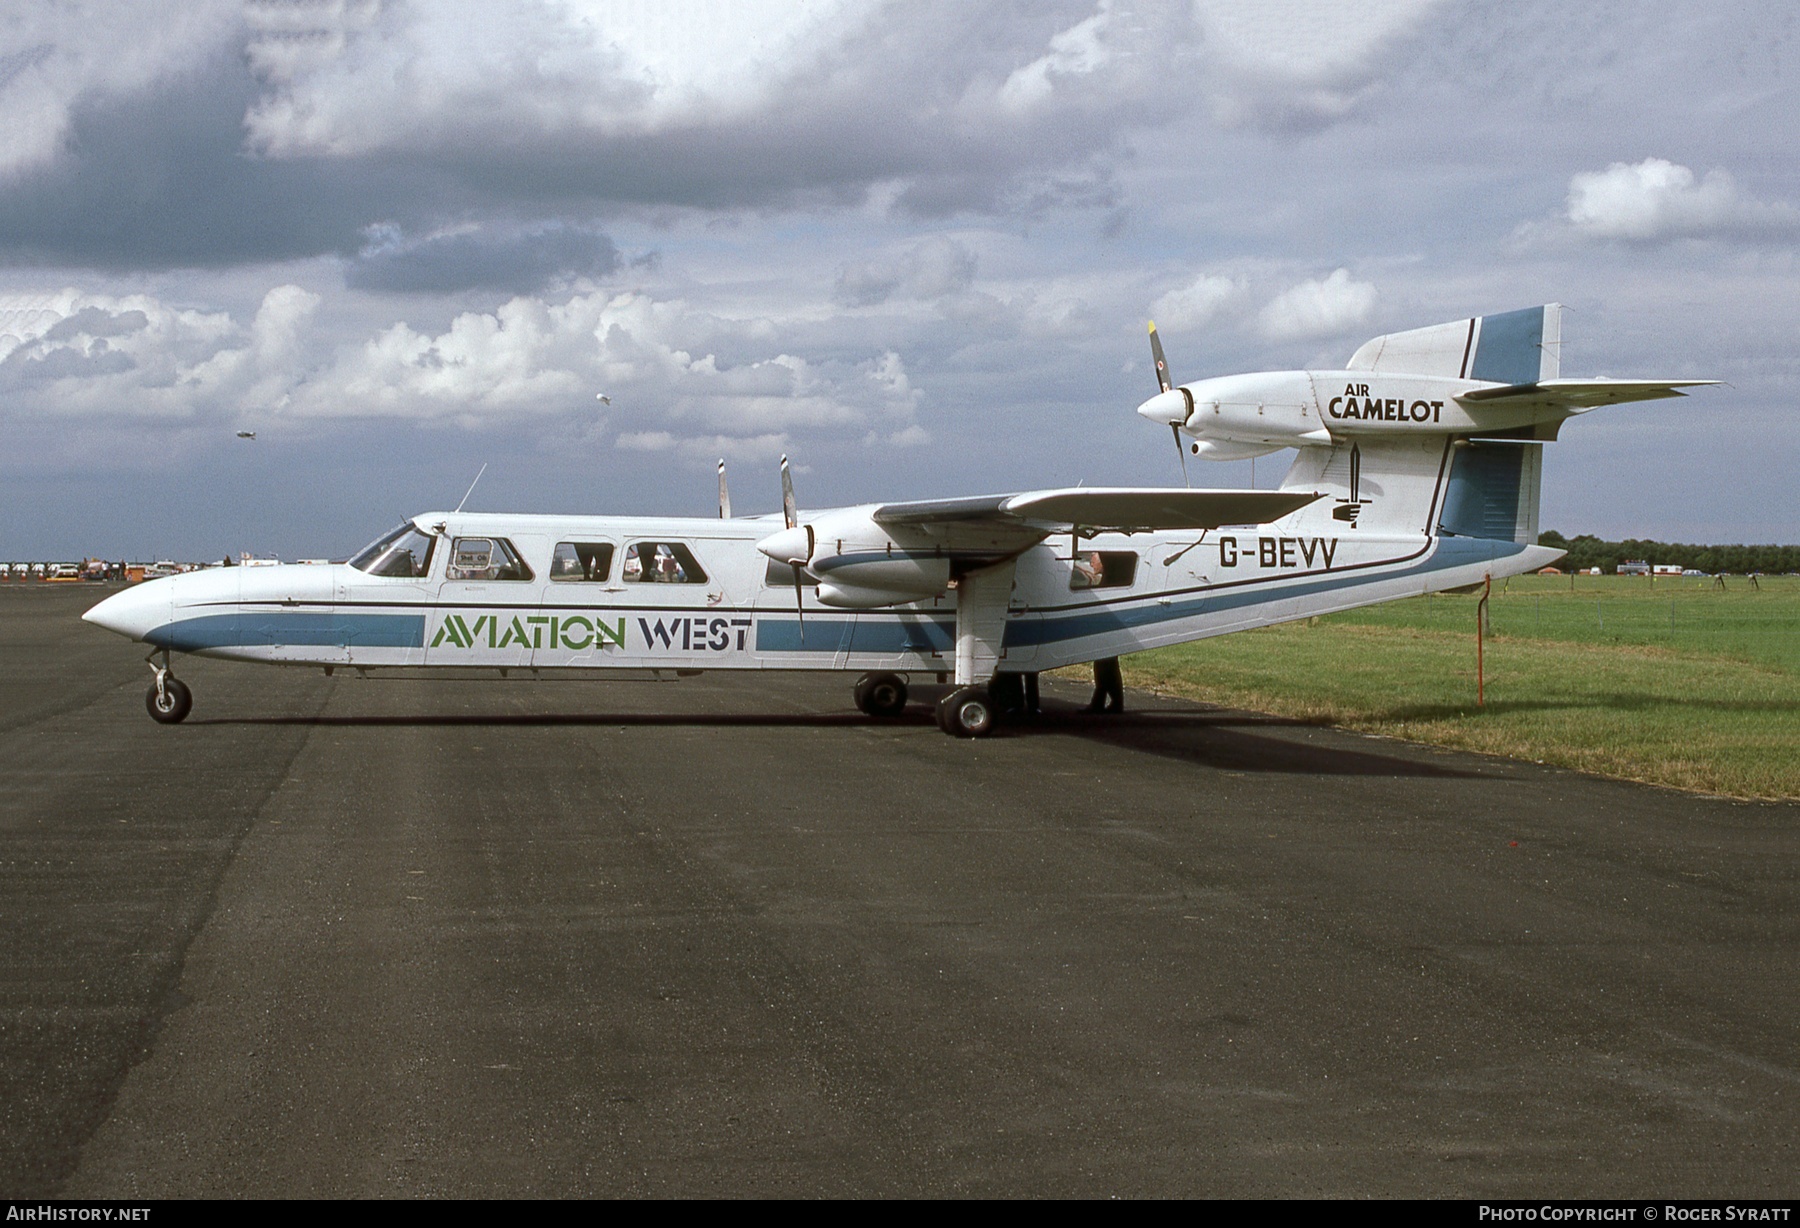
{"x":403,"y":552}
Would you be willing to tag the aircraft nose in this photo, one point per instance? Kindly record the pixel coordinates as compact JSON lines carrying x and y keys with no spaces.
{"x":135,"y":612}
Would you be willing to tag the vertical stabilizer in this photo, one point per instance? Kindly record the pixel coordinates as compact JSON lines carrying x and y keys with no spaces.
{"x":1513,"y":347}
{"x":1426,"y":485}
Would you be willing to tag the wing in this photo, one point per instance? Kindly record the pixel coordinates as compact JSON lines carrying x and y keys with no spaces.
{"x":1580,"y":395}
{"x":1101,"y":509}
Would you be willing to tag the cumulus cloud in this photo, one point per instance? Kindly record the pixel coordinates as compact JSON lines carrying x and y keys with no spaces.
{"x":1317,"y":308}
{"x":57,"y":58}
{"x":518,"y":261}
{"x":1077,"y":51}
{"x":1658,"y":199}
{"x":74,"y":355}
{"x":243,"y":130}
{"x":1194,"y":304}
{"x":929,"y":270}
{"x":1299,"y":64}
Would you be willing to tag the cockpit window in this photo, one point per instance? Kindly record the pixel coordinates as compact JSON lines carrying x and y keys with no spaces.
{"x":486,"y":558}
{"x":405,"y":552}
{"x":581,"y":561}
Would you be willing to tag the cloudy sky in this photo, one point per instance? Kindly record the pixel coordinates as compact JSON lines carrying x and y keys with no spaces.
{"x":913,"y":245}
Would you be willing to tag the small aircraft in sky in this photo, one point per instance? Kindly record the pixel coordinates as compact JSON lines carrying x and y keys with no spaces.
{"x":1417,"y":469}
{"x":246,"y":434}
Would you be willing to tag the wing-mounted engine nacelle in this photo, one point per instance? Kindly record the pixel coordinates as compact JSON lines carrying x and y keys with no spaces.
{"x":860,"y":564}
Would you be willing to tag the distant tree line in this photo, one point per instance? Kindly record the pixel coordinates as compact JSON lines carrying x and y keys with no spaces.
{"x":1588,"y":551}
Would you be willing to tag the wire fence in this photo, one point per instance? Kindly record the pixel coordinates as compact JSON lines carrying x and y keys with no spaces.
{"x":1759,"y":622}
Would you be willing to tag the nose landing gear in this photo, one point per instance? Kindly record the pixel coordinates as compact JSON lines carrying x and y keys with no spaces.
{"x":168,"y":698}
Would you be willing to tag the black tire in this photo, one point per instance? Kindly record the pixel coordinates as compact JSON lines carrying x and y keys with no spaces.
{"x":966,"y":712}
{"x":173,"y":705}
{"x":882,"y":695}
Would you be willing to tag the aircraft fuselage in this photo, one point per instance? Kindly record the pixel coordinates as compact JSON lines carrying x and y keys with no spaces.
{"x":723,"y":605}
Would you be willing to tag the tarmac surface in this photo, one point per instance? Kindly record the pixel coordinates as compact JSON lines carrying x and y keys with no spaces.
{"x":726,"y":936}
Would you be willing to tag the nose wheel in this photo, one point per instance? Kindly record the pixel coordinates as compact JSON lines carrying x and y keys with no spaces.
{"x":168,"y":699}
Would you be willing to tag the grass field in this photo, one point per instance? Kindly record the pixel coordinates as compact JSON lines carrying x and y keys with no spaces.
{"x":1673,"y":682}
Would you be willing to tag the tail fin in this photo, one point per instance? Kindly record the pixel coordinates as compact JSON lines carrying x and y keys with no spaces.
{"x":1431,"y":485}
{"x":1514,"y":347}
{"x":1436,"y":484}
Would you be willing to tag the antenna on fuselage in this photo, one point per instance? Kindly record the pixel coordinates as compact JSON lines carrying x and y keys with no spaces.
{"x":724,"y":493}
{"x":471,"y":490}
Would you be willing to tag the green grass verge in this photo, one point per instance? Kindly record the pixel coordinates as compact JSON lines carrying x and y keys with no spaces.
{"x":1674,"y":683}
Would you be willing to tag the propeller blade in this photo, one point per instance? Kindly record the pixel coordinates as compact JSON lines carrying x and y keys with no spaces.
{"x":796,"y":564}
{"x":788,"y":513}
{"x":1164,"y":381}
{"x":724,"y":493}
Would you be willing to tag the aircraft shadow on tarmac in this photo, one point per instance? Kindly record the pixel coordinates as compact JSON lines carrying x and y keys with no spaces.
{"x":1215,"y":738}
{"x":727,"y":720}
{"x":1227,"y":741}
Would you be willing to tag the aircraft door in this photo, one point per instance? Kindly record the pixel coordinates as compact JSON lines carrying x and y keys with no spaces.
{"x":681,"y":612}
{"x":381,"y":599}
{"x":583,"y":626}
{"x":487,"y":605}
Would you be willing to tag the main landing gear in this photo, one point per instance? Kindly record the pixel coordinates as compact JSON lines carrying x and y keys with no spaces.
{"x":168,"y":698}
{"x":966,"y":712}
{"x":881,"y":695}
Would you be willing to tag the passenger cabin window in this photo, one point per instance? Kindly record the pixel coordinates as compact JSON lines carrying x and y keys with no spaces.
{"x":661,"y":563}
{"x":1104,"y":569}
{"x":405,"y":552}
{"x":486,"y":558}
{"x":579,"y":561}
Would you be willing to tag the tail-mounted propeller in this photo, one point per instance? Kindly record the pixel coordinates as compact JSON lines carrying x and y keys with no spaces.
{"x":1165,"y":383}
{"x":724,"y":493}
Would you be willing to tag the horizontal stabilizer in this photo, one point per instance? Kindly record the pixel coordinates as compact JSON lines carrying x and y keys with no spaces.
{"x":1579,"y":395}
{"x":1099,"y":508}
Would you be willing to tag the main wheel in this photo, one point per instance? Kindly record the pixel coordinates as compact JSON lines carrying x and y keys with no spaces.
{"x":881,"y":694}
{"x":966,"y":712}
{"x":172,"y":706}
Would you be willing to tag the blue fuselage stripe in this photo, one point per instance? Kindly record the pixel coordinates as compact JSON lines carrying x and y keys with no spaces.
{"x":274,"y":628}
{"x":1449,"y":553}
{"x":884,"y":633}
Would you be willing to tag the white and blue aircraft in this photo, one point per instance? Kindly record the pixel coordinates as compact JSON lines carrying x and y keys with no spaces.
{"x":1417,"y":470}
